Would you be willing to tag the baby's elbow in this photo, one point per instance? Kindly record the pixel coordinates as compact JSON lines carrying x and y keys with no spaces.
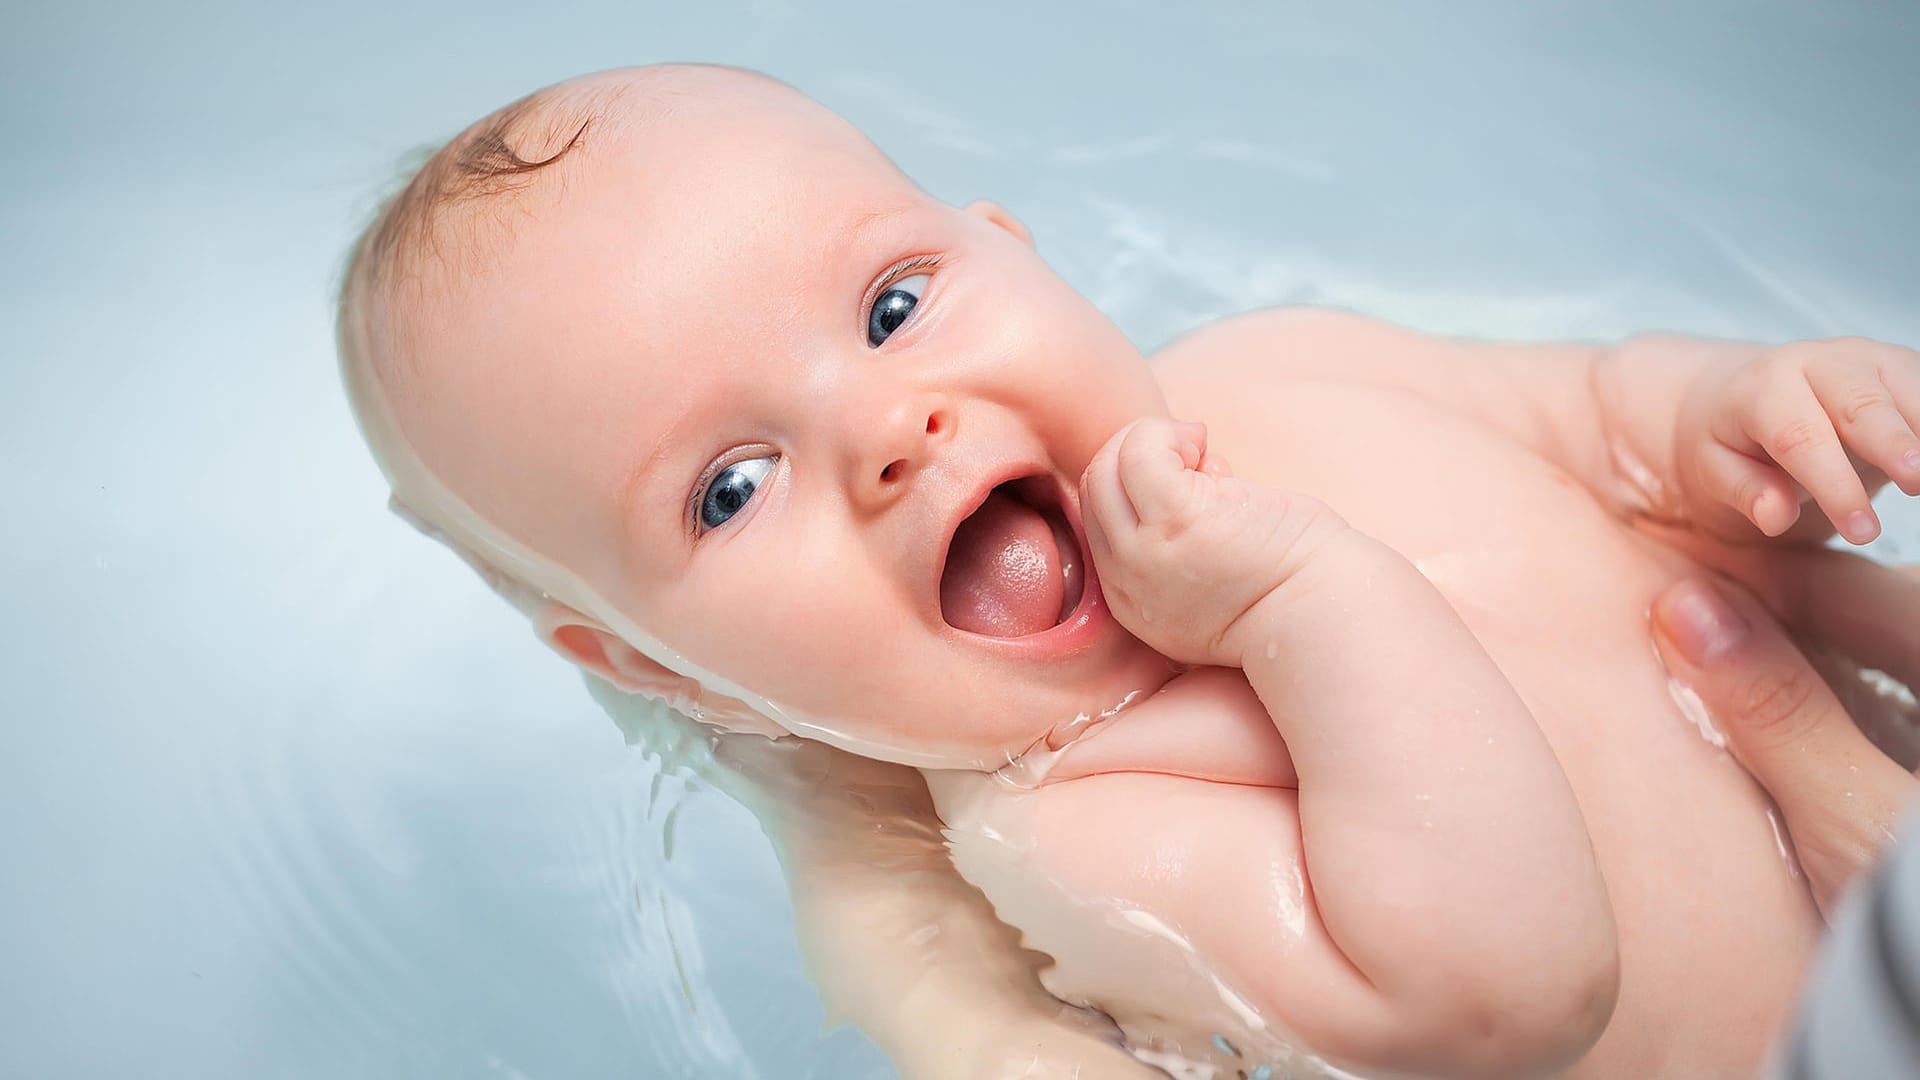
{"x":1539,"y":1034}
{"x":1520,"y":1013}
{"x":1537,"y":1024}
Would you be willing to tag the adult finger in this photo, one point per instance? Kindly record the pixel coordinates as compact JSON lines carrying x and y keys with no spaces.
{"x":1839,"y":794}
{"x":1867,"y":610}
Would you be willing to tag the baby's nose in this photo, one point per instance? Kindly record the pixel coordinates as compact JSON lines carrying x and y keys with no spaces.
{"x":905,"y":437}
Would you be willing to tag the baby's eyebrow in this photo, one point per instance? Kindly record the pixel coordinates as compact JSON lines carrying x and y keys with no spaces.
{"x":867,"y":219}
{"x":875,"y":220}
{"x":635,"y":483}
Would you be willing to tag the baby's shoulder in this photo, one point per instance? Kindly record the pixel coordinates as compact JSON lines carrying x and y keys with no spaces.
{"x":1272,"y":346}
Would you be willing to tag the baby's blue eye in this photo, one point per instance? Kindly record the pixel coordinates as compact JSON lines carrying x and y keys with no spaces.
{"x":893,"y":307}
{"x":731,"y":489}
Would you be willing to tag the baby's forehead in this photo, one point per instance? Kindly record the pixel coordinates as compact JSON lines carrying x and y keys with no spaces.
{"x":747,"y":175}
{"x":781,"y":155}
{"x":643,"y":136}
{"x":718,"y":206}
{"x":705,"y":170}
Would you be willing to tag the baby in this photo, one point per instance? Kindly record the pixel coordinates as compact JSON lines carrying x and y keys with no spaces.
{"x":1350,"y":756}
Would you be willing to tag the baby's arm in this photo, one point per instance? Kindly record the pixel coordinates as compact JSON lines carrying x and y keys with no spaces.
{"x":899,"y":944}
{"x":1442,"y":845}
{"x":1725,"y":436}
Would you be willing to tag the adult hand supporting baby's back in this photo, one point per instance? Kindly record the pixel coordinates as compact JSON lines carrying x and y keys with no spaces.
{"x":1841,"y":795}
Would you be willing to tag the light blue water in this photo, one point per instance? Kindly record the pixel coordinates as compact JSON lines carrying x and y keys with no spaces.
{"x":286,"y":794}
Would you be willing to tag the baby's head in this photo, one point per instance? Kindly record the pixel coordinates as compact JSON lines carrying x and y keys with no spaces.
{"x":745,"y":420}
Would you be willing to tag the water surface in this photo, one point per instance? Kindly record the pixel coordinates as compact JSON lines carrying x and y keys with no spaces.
{"x":289,"y":795}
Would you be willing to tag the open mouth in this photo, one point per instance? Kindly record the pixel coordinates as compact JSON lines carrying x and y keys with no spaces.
{"x":1014,"y":567}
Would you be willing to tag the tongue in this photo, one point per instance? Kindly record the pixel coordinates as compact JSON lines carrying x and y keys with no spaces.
{"x":1003,"y":572}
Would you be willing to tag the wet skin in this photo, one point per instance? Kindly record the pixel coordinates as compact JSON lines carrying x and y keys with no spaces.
{"x":689,"y":307}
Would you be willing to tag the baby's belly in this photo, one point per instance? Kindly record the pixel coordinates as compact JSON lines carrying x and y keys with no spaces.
{"x":1715,"y":924}
{"x":1715,"y":921}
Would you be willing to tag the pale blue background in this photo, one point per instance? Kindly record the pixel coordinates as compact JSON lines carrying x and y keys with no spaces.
{"x":286,"y":793}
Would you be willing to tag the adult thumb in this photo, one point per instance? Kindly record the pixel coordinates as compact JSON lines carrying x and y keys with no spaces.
{"x":1839,"y":794}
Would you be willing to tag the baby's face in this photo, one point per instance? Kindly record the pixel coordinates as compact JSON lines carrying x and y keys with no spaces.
{"x":813,"y":430}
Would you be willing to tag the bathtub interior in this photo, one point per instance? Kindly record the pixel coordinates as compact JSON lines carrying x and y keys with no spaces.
{"x":290,"y":795}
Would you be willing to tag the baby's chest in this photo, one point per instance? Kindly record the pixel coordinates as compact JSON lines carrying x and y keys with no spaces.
{"x":1554,"y":586}
{"x":1424,"y":480}
{"x":1520,"y":548}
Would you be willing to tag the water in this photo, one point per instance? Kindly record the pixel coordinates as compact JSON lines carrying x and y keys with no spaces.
{"x":289,"y":795}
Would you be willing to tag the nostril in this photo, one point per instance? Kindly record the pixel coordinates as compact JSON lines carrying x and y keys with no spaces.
{"x":892,"y":472}
{"x":933,"y":424}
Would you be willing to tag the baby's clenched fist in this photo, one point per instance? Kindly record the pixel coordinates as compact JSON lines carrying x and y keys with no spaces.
{"x":1184,"y":549}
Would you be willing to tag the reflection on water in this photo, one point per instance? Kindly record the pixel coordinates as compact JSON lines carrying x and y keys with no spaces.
{"x":289,"y":795}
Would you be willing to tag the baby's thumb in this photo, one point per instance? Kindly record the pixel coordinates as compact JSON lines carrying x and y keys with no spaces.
{"x":1190,"y":439}
{"x":1839,"y":794}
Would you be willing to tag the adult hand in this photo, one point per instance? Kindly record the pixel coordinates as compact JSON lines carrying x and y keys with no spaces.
{"x":1841,"y":796}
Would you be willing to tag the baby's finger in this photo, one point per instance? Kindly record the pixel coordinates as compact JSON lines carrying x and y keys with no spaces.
{"x":1157,"y":463}
{"x":1868,"y":420}
{"x":1755,"y":488}
{"x":1902,"y":381}
{"x":1099,"y":544}
{"x":1103,"y":503}
{"x":1789,"y":424}
{"x":1190,"y":439}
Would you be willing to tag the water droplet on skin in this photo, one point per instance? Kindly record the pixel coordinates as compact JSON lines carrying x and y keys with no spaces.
{"x":1787,"y":855}
{"x":1694,"y":709}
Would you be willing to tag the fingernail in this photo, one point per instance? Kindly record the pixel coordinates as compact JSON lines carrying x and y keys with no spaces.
{"x":1768,"y":509}
{"x":1699,"y":622}
{"x":1862,"y":528}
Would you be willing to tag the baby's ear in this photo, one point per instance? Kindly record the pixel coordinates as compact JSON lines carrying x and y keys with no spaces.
{"x":1000,"y":216}
{"x":599,"y":650}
